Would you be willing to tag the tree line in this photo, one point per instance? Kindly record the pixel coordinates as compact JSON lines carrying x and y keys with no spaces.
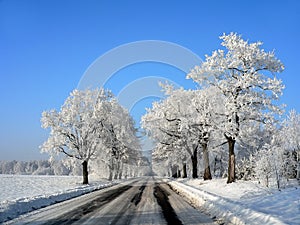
{"x":235,"y":105}
{"x":36,"y":167}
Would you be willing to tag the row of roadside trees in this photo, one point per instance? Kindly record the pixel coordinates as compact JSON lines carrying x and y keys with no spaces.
{"x":92,"y":126}
{"x":235,"y":105}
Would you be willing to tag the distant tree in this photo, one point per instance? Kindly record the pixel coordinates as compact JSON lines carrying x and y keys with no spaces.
{"x":121,"y":145}
{"x":263,"y":165}
{"x":245,"y":75}
{"x":59,"y":168}
{"x":126,"y":145}
{"x":291,"y":136}
{"x":31,"y":167}
{"x":163,"y":125}
{"x":40,"y":167}
{"x":274,"y":160}
{"x":8,"y":167}
{"x":20,"y":167}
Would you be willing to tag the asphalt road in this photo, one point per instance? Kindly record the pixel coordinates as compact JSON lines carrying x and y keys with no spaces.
{"x":141,"y":201}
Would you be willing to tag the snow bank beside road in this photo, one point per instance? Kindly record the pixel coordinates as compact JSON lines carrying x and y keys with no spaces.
{"x":242,"y":202}
{"x":22,"y":194}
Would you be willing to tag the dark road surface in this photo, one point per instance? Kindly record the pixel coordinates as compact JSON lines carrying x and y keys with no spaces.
{"x":140,"y":201}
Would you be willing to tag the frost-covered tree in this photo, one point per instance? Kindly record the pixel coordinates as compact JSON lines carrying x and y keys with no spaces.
{"x":40,"y":167}
{"x":163,"y":130}
{"x":59,"y":168}
{"x":250,"y":141}
{"x":20,"y":167}
{"x":274,"y":162}
{"x":122,"y":145}
{"x":7,"y":167}
{"x":78,"y":129}
{"x":291,"y":136}
{"x":171,"y":156}
{"x":263,"y":165}
{"x":205,"y":110}
{"x":245,"y":75}
{"x":182,"y":124}
{"x":163,"y":125}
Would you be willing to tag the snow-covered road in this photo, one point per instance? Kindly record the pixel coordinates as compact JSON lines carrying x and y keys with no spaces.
{"x":140,"y":201}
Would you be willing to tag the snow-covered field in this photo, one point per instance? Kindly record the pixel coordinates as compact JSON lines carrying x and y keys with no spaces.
{"x":21,"y":194}
{"x":243,"y":202}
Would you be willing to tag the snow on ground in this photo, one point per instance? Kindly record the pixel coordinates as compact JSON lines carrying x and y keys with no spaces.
{"x":243,"y":202}
{"x":20,"y":194}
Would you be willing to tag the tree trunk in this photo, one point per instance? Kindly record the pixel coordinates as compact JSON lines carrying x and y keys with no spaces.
{"x":121,"y":170}
{"x":215,"y":166}
{"x":178,"y":172}
{"x":195,"y":162}
{"x":117,"y":170}
{"x":184,"y":174}
{"x":174,"y":171}
{"x":110,"y":175}
{"x":298,"y":171}
{"x":278,"y":178}
{"x":231,"y":160}
{"x":111,"y":169}
{"x":207,"y":174}
{"x":85,"y":172}
{"x":298,"y":166}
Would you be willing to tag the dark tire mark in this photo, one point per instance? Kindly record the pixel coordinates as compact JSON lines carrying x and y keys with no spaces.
{"x":168,"y":211}
{"x":89,"y":207}
{"x":137,"y":198}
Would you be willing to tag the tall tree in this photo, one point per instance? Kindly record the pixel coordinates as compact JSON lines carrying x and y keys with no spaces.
{"x":79,"y":128}
{"x":245,"y":75}
{"x":205,"y":109}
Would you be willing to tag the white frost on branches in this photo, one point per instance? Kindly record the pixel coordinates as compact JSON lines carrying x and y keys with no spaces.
{"x":89,"y":125}
{"x":237,"y":99}
{"x":242,"y":75}
{"x":78,"y":128}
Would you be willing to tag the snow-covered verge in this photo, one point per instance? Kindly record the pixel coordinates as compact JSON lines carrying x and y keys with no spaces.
{"x":242,"y":202}
{"x":21,"y":194}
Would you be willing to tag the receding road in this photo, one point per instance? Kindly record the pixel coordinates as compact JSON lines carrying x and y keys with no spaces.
{"x":140,"y":201}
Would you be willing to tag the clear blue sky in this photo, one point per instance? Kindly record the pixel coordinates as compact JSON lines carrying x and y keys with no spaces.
{"x":46,"y":46}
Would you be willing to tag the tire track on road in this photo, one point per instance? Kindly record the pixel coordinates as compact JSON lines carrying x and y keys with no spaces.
{"x":135,"y":200}
{"x":89,"y":207}
{"x":163,"y":201}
